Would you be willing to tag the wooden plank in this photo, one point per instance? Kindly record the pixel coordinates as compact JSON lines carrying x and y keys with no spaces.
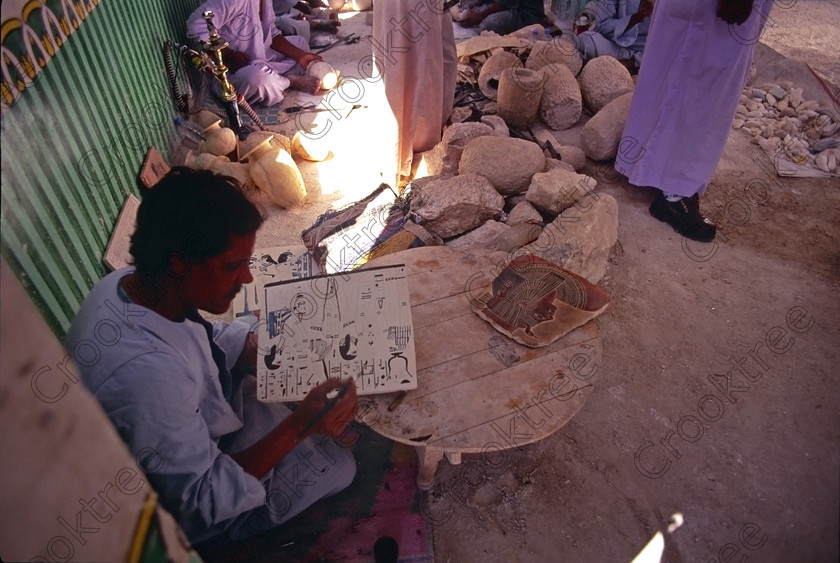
{"x":478,"y":390}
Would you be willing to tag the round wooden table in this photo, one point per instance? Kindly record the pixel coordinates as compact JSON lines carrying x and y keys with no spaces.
{"x":478,"y":390}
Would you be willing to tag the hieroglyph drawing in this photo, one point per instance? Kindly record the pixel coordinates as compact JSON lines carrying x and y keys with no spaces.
{"x":269,"y":265}
{"x":355,"y":324}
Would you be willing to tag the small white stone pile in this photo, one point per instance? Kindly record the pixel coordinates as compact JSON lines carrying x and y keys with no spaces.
{"x":808,"y":135}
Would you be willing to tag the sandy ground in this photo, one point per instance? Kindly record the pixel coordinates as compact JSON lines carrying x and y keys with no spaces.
{"x":747,"y":465}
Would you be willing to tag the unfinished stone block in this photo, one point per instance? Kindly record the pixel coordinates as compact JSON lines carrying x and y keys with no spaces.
{"x":482,"y":237}
{"x":508,"y":163}
{"x":554,"y":164}
{"x":491,"y":72}
{"x":450,"y":206}
{"x":517,"y":236}
{"x":561,"y":103}
{"x":572,"y":155}
{"x":524,"y":212}
{"x":602,"y":80}
{"x":520,"y":92}
{"x":555,"y":52}
{"x":497,"y":123}
{"x":580,"y":240}
{"x":443,"y":159}
{"x":556,"y":190}
{"x":600,"y":136}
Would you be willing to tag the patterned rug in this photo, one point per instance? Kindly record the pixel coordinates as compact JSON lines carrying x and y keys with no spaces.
{"x":382,"y":501}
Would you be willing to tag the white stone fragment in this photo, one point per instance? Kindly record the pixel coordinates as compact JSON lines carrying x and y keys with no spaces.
{"x":777,"y":92}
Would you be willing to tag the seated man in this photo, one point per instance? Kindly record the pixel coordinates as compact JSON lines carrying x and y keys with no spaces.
{"x":263,"y":64}
{"x":619,"y":30}
{"x":175,"y":386}
{"x":502,"y":16}
{"x":295,"y":18}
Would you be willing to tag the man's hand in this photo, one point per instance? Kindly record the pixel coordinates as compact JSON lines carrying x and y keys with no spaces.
{"x":235,"y":60}
{"x":644,"y":12}
{"x":734,"y":11}
{"x":247,"y":361}
{"x":336,"y":418}
{"x":308,"y":58}
{"x":476,"y":15}
{"x":471,"y":18}
{"x":259,"y":458}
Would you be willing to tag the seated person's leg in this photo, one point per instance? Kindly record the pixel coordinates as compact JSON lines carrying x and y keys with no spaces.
{"x":291,"y":26}
{"x":592,"y":44}
{"x":502,"y":22}
{"x":260,"y":84}
{"x":318,"y":467}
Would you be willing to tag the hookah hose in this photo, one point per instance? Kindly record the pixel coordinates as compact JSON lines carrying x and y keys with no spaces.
{"x":246,"y":107}
{"x":182,"y":101}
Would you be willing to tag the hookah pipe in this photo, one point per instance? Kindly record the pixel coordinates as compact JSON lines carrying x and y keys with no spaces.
{"x":214,"y":48}
{"x":203,"y":63}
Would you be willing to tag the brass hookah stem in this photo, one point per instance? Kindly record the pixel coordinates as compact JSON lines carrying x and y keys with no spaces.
{"x":214,"y":47}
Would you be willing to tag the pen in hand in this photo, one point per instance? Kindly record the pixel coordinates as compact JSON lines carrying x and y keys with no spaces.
{"x":342,"y":391}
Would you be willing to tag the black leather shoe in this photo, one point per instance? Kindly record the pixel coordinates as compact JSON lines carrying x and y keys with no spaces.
{"x":684,"y":215}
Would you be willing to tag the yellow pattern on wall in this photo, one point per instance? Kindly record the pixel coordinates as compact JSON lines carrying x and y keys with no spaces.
{"x":30,"y":40}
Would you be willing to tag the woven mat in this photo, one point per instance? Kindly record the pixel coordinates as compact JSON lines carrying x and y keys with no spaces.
{"x":342,"y":240}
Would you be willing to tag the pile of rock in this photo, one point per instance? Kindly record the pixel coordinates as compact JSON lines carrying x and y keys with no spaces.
{"x":807,"y":134}
{"x":554,"y":86}
{"x":503,"y":193}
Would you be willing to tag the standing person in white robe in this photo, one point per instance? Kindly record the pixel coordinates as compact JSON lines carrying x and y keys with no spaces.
{"x":263,"y":63}
{"x":414,"y":49}
{"x":697,"y":59}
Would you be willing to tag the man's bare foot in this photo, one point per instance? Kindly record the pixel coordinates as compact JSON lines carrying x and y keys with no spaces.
{"x":307,"y":84}
{"x":330,"y":26}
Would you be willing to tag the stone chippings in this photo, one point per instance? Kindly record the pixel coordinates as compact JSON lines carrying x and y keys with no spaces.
{"x":807,"y":134}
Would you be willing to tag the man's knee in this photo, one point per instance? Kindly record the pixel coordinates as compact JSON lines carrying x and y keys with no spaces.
{"x":346,"y":467}
{"x":342,"y":469}
{"x":247,"y":76}
{"x":501,"y":22}
{"x":587,"y":43}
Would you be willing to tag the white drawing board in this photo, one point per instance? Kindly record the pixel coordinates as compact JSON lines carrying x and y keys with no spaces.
{"x":354,"y":324}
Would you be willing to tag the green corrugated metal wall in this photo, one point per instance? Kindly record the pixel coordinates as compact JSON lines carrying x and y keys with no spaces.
{"x":73,"y":145}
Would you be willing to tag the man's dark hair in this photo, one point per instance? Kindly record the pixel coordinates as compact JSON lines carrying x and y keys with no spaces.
{"x":191,"y":213}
